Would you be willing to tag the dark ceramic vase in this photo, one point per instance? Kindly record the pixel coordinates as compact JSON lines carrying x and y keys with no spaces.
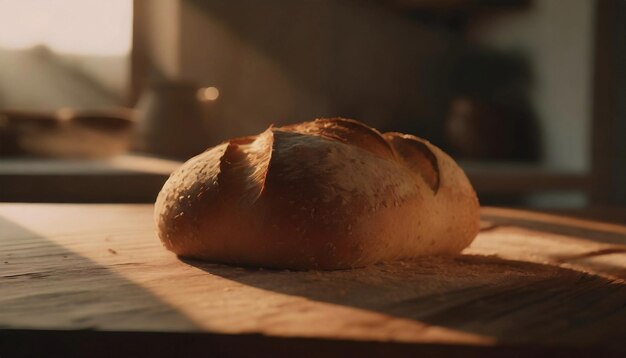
{"x":170,"y":121}
{"x":477,"y":130}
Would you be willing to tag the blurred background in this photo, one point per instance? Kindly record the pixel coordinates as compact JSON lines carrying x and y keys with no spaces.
{"x":101,"y":100}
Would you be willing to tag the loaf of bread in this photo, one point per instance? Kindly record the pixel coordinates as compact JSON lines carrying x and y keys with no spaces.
{"x":327,"y":194}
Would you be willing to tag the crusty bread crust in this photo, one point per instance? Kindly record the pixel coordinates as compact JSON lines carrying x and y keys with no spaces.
{"x":327,"y":194}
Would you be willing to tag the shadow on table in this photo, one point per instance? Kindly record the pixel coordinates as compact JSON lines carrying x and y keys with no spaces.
{"x":54,"y":302}
{"x":517,"y":303}
{"x":89,"y":296}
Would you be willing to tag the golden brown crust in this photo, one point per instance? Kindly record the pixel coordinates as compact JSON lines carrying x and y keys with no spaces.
{"x":326,"y":194}
{"x":415,"y":154}
{"x":346,"y":131}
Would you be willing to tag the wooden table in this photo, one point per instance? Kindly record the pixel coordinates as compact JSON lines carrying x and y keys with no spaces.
{"x":95,"y":278}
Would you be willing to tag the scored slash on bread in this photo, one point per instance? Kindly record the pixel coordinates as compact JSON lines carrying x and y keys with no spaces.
{"x":415,"y":154}
{"x":326,"y":194}
{"x":408,"y":149}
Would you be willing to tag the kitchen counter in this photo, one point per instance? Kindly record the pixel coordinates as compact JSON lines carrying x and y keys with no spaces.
{"x":121,"y":179}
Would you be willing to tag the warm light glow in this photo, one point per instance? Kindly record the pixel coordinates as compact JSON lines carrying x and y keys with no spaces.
{"x":208,"y":94}
{"x":87,"y":27}
{"x":65,"y":114}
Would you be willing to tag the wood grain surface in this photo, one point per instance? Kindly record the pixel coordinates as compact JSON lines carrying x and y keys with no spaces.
{"x":529,"y":281}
